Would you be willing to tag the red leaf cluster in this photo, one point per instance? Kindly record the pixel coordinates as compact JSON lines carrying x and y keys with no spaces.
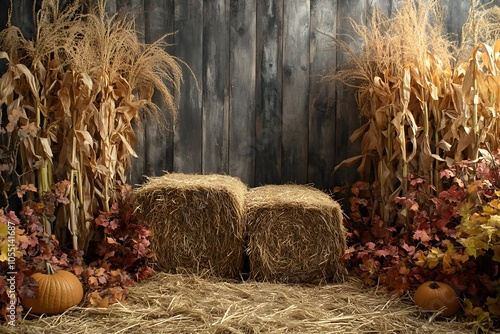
{"x":424,"y":240}
{"x":120,"y":259}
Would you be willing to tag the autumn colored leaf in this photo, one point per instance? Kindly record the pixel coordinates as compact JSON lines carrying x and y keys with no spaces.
{"x":24,"y":188}
{"x":447,"y":260}
{"x":144,"y":273}
{"x":470,"y":309}
{"x":409,"y":249}
{"x":493,"y":306}
{"x":447,"y":173}
{"x":370,"y":245}
{"x":421,"y":235}
{"x":111,"y":241}
{"x":77,"y":270}
{"x":473,"y":188}
{"x":383,"y":253}
{"x":96,"y":300}
{"x":4,"y":229}
{"x":102,"y":279}
{"x":141,"y":250}
{"x":28,"y":287}
{"x":113,"y":224}
{"x":118,"y":293}
{"x":99,"y":271}
{"x":93,"y":282}
{"x":4,"y":250}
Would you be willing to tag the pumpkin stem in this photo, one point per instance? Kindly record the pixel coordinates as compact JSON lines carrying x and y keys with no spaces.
{"x":50,"y":270}
{"x":434,"y":285}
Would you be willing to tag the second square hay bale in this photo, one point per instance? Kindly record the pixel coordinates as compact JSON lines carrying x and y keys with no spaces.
{"x":295,"y":235}
{"x":197,"y":220}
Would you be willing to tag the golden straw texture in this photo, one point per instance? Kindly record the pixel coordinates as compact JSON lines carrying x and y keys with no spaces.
{"x":192,"y":304}
{"x":197,"y":220}
{"x":295,"y":234}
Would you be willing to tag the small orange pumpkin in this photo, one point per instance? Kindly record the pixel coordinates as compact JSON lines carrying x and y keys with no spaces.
{"x":57,"y":291}
{"x":432,"y":296}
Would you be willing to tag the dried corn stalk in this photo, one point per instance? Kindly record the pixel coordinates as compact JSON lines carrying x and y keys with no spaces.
{"x":72,"y":95}
{"x":423,"y":112}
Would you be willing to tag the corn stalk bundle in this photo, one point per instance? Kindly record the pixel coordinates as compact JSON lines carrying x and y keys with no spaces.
{"x":71,"y":96}
{"x":423,"y":110}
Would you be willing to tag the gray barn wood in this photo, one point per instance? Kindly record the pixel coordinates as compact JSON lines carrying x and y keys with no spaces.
{"x":259,"y":111}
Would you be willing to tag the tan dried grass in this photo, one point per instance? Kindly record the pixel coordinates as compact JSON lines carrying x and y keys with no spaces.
{"x":197,"y":220}
{"x":384,"y":45}
{"x":295,"y":234}
{"x":482,"y":26}
{"x":191,"y":304}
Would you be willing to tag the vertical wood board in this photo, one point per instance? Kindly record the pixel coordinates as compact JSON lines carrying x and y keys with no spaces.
{"x":158,"y":138}
{"x":347,"y":115}
{"x":215,"y":80}
{"x":295,"y":90}
{"x":242,"y":64}
{"x":323,"y":56}
{"x":268,"y":92}
{"x":189,"y":48}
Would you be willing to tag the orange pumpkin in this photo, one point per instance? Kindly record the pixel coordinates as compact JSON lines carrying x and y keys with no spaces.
{"x":432,"y":296}
{"x":57,"y":291}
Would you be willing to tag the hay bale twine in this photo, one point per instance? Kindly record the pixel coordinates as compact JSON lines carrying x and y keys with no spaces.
{"x":295,"y":235}
{"x":197,"y":221}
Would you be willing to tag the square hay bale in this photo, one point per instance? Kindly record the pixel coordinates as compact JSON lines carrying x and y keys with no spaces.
{"x":295,"y":235}
{"x":197,"y":221}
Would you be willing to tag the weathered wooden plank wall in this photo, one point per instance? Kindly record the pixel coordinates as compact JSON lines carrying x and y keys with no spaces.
{"x":255,"y":107}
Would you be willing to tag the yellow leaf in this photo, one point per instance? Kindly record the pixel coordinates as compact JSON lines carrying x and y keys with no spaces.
{"x":420,"y":260}
{"x":20,"y":236}
{"x":4,"y":256}
{"x":3,"y":230}
{"x":472,"y":189}
{"x":496,"y":256}
{"x":437,"y":252}
{"x":495,"y":204}
{"x":470,"y":310}
{"x":448,"y":260}
{"x":494,"y":221}
{"x":470,"y":247}
{"x":493,"y":306}
{"x":477,"y":218}
{"x":489,"y":230}
{"x":488,"y":210}
{"x":480,"y":245}
{"x":434,"y":257}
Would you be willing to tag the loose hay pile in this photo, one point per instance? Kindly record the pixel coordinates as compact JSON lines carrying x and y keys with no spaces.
{"x":197,"y":220}
{"x":295,"y":235}
{"x":190,"y":304}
